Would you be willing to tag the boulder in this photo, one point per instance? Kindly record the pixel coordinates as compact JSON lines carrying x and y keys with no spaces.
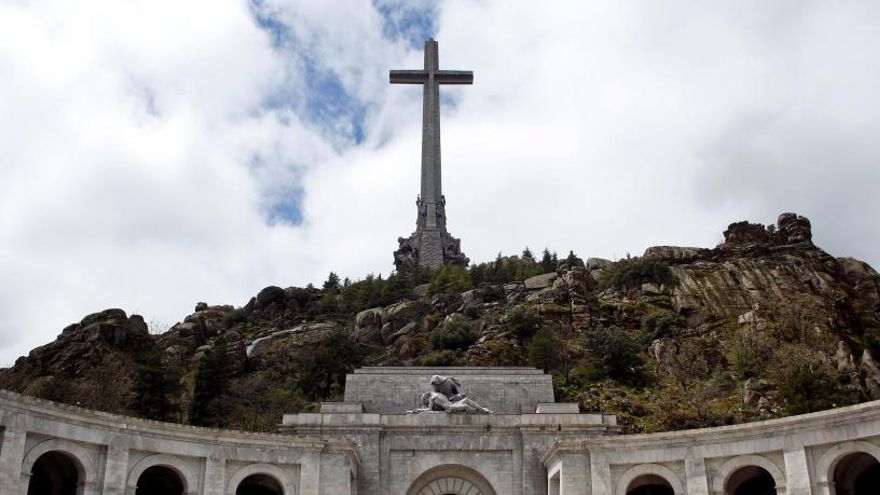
{"x":137,"y":325}
{"x":594,"y":264}
{"x":669,"y":252}
{"x":514,"y":292}
{"x":114,"y":315}
{"x":651,"y":289}
{"x":471,"y":297}
{"x":402,"y":313}
{"x":844,"y":358}
{"x":367,"y":324}
{"x":409,"y":328}
{"x":741,"y":235}
{"x":540,"y":281}
{"x":793,"y":229}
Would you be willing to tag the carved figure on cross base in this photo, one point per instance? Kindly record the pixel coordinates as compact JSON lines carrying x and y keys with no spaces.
{"x":435,"y":401}
{"x":447,"y":386}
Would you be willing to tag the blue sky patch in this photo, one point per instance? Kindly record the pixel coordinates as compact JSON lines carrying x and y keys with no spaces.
{"x":318,"y":96}
{"x":286,"y":209}
{"x":412,"y":21}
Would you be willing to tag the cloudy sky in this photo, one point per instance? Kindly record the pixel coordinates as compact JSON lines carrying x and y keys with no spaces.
{"x":158,"y":153}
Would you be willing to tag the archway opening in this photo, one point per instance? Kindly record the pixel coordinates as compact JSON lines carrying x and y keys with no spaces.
{"x":54,"y":473}
{"x":159,"y":480}
{"x":857,"y":474}
{"x":649,"y":484}
{"x":259,"y":484}
{"x":451,"y":479}
{"x":751,"y":480}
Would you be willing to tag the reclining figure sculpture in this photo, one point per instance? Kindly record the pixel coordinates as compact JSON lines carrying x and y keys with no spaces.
{"x":447,"y":397}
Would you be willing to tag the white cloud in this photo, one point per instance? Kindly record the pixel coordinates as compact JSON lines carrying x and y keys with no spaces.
{"x":139,"y":161}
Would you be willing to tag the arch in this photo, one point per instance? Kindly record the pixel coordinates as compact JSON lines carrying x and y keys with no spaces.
{"x":79,"y":456}
{"x":176,"y":464}
{"x":452,"y":479}
{"x":270,"y":470}
{"x":857,"y":473}
{"x":727,"y":470}
{"x":634,"y":472}
{"x":832,"y":457}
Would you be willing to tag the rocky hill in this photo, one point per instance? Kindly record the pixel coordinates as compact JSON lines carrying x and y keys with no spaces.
{"x":764,"y":325}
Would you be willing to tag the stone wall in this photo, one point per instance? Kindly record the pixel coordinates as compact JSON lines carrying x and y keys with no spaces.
{"x":110,"y":452}
{"x":800,"y":452}
{"x":350,"y":451}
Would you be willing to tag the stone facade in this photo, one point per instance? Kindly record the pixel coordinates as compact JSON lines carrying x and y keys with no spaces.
{"x":371,"y":447}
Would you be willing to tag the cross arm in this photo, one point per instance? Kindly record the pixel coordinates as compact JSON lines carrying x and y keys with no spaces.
{"x":454,"y":77}
{"x":408,"y":76}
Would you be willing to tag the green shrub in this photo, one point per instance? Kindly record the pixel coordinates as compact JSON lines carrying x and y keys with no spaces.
{"x":450,"y":279}
{"x":324,"y":369}
{"x":633,"y":272}
{"x":546,"y":351}
{"x":524,"y":322}
{"x":616,"y":353}
{"x":657,"y":325}
{"x":454,"y":334}
{"x":440,"y":358}
{"x":809,"y":387}
{"x":473,"y":311}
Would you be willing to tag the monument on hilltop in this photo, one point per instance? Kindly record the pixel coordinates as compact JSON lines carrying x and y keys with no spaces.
{"x":431,"y":245}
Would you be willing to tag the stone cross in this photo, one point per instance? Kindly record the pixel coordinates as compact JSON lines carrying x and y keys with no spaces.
{"x":431,"y":204}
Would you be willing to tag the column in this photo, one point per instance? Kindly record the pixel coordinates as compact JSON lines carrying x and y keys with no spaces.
{"x":310,"y":474}
{"x":574,"y":477}
{"x":12,"y":456}
{"x":335,"y":474}
{"x":115,"y":469}
{"x":215,"y":476}
{"x":695,"y":472}
{"x":600,"y":475}
{"x":797,"y":472}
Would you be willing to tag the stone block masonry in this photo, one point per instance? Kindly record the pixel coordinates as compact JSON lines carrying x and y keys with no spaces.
{"x":346,"y":449}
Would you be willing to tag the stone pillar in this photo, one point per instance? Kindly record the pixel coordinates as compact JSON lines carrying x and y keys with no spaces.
{"x":115,"y":469}
{"x":310,"y":474}
{"x":12,"y":456}
{"x":797,"y":472}
{"x":600,"y":475}
{"x":335,"y":474}
{"x":695,"y":472}
{"x":574,"y":477}
{"x":518,"y":466}
{"x":215,"y":476}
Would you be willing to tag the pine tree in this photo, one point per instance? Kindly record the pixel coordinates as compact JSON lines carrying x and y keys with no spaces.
{"x":212,"y":379}
{"x":332,"y":283}
{"x":548,"y":261}
{"x":156,"y":386}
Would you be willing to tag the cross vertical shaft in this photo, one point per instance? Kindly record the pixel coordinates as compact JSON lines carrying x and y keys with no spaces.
{"x":431,"y":190}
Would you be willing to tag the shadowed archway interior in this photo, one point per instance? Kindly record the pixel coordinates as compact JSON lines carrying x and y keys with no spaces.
{"x":54,"y":473}
{"x":857,"y":474}
{"x":159,"y":480}
{"x":751,"y":480}
{"x":649,"y":484}
{"x":259,"y":484}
